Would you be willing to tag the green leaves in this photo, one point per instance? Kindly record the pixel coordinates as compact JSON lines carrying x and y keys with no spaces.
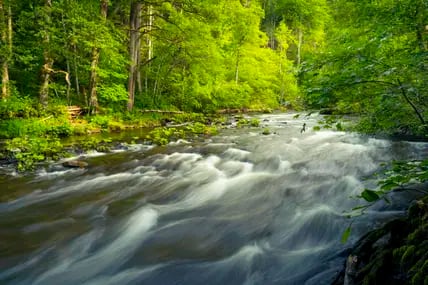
{"x":29,"y":151}
{"x":346,"y":234}
{"x":370,"y":195}
{"x":369,"y":50}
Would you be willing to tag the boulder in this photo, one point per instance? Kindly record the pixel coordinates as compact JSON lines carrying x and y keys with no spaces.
{"x":75,"y":164}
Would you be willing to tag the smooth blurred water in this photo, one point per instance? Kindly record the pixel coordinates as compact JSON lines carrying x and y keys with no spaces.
{"x":239,"y":208}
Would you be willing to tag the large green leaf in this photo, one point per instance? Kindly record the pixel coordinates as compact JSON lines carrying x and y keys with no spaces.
{"x":370,"y":195}
{"x":346,"y":234}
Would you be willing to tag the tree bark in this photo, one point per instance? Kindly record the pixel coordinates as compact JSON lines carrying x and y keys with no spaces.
{"x":76,"y":74}
{"x":238,"y":57}
{"x":299,"y":47}
{"x":47,"y":59}
{"x":93,"y":97}
{"x":134,"y":50}
{"x":149,"y":44}
{"x":6,"y":39}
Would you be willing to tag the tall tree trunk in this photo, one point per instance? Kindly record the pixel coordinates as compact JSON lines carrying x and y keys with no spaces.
{"x":6,"y":39}
{"x":67,"y":61}
{"x":238,"y":55}
{"x":149,"y":43}
{"x":299,"y":47}
{"x":76,"y":74}
{"x":134,"y":50}
{"x":93,"y":97}
{"x":47,"y":59}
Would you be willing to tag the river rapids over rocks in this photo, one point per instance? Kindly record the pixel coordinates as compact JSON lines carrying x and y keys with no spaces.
{"x":237,"y":208}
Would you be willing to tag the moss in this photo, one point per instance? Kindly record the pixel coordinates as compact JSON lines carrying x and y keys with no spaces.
{"x":266,"y":132}
{"x":420,"y":269}
{"x":403,"y":259}
{"x":408,"y":255}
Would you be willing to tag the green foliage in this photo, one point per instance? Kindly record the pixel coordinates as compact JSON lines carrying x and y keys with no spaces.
{"x":346,"y":234}
{"x":254,"y":122}
{"x":164,"y":135}
{"x":373,"y":66}
{"x":400,"y":175}
{"x":330,"y":122}
{"x":28,"y":151}
{"x":208,"y":55}
{"x":113,"y":95}
{"x":35,"y":127}
{"x":200,"y":129}
{"x":266,"y":132}
{"x":370,"y":195}
{"x":17,"y":107}
{"x":100,"y":120}
{"x":94,"y":143}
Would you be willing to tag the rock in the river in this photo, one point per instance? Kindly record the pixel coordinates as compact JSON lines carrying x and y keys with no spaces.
{"x":75,"y":164}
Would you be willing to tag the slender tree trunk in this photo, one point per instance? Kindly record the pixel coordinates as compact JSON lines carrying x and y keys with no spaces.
{"x":420,"y":30}
{"x":67,"y":61}
{"x":47,"y":59}
{"x":149,"y":43}
{"x":6,"y":39}
{"x":134,"y":50}
{"x":76,"y":74}
{"x":93,"y":97}
{"x":299,"y":47}
{"x":5,"y":90}
{"x":403,"y":92}
{"x":238,"y":57}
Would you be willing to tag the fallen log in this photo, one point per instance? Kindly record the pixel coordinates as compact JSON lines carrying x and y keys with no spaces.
{"x":161,"y":112}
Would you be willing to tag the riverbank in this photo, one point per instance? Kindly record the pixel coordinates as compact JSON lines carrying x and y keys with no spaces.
{"x":28,"y":141}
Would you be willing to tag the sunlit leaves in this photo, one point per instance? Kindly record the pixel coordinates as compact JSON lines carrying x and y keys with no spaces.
{"x":372,"y":46}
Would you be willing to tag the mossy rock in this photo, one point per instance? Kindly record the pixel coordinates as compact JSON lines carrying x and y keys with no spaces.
{"x":401,"y":257}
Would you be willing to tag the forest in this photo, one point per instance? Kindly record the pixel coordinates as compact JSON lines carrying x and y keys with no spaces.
{"x":176,"y":68}
{"x":367,"y":58}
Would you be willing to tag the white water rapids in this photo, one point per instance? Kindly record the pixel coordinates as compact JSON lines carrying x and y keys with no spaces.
{"x":239,"y":208}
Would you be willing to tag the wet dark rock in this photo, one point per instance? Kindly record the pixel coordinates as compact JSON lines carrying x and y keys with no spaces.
{"x":327,"y":111}
{"x":75,"y":164}
{"x":397,"y":253}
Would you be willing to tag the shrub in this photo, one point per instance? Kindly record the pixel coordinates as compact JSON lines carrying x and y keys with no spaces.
{"x":28,"y":151}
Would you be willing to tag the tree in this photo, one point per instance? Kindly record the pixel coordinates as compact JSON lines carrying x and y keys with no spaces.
{"x":93,"y":99}
{"x":6,"y":46}
{"x":375,"y":66}
{"x":134,"y":50}
{"x":305,"y":18}
{"x":47,"y":57}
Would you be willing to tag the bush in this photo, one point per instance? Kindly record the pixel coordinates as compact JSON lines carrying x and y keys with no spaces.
{"x":28,"y":151}
{"x":18,"y":127}
{"x":16,"y":107}
{"x":101,"y":121}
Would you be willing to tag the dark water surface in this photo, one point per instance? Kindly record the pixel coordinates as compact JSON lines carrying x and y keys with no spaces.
{"x":239,"y":208}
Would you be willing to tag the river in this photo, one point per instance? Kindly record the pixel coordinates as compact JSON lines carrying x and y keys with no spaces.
{"x":237,"y":208}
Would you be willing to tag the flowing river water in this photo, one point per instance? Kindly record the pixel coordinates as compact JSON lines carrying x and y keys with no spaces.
{"x":238,"y":208}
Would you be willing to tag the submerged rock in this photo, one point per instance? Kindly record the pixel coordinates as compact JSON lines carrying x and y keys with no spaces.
{"x":75,"y":164}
